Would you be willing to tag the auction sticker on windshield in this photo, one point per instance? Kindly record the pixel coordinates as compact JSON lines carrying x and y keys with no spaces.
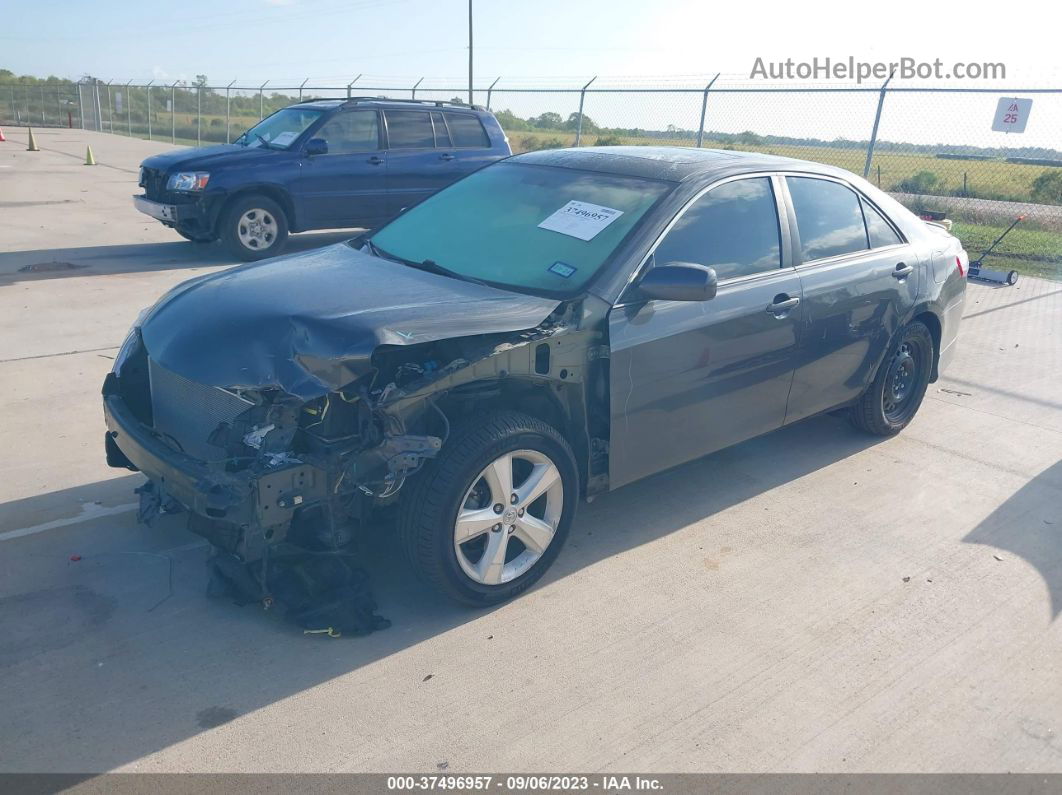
{"x":580,"y":219}
{"x":285,"y":138}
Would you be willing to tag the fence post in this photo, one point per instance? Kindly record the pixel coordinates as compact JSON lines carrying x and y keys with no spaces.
{"x":44,"y":119}
{"x":874,"y":131}
{"x":128,"y":110}
{"x":96,"y":101}
{"x":300,"y":89}
{"x":148,"y":88}
{"x":579,"y":126}
{"x":199,"y":115}
{"x":352,"y":82}
{"x":261,"y":101}
{"x":489,"y":90}
{"x":228,"y":100}
{"x":80,"y":104}
{"x":413,"y":93}
{"x":173,"y":112}
{"x":704,"y":110}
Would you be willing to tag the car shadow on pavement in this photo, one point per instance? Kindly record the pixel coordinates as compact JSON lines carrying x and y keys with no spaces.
{"x":56,"y":263}
{"x":111,"y":650}
{"x":1029,"y":525}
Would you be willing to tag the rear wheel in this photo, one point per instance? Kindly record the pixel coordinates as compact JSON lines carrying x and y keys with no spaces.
{"x":486,"y":518}
{"x":896,"y":393}
{"x":254,"y":227}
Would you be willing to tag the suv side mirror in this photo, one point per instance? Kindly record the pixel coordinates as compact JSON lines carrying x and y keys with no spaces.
{"x":317,"y":146}
{"x":679,"y":281}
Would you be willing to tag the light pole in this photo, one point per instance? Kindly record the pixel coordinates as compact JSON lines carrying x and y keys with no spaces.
{"x":469,"y":52}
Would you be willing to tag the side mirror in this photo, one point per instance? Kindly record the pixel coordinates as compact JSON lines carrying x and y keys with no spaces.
{"x":679,"y":281}
{"x":317,"y":146}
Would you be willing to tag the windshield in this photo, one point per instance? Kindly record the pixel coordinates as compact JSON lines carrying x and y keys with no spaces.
{"x":280,"y":130}
{"x":539,"y":229}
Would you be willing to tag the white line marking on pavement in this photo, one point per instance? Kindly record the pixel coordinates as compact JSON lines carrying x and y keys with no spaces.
{"x":89,"y":511}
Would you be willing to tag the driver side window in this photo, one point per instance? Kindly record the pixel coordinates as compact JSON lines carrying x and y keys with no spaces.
{"x":732,"y":228}
{"x":351,"y":131}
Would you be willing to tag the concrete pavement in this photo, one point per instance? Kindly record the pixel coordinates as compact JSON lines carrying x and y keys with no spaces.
{"x":813,"y":600}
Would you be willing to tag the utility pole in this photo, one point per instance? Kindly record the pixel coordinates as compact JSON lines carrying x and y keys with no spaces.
{"x":469,"y":52}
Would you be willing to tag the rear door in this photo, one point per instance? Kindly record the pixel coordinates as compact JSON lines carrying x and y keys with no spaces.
{"x":347,"y":186}
{"x":858,"y":278}
{"x":688,"y":378}
{"x":471,"y":144}
{"x":415,"y":167}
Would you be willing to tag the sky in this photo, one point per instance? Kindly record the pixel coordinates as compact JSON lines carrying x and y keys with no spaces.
{"x":331,"y":41}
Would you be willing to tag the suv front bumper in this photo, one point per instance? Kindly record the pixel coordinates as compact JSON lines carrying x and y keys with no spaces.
{"x":197,"y":217}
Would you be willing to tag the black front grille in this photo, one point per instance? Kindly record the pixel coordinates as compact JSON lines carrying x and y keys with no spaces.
{"x":153,"y":182}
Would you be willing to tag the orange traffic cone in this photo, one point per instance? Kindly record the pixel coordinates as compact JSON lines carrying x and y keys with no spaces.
{"x":2,"y":138}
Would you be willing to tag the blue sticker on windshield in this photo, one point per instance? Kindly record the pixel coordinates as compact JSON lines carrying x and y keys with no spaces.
{"x":561,"y":269}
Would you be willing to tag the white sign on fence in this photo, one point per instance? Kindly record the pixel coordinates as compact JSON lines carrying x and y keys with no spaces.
{"x":1012,"y":115}
{"x":169,"y":105}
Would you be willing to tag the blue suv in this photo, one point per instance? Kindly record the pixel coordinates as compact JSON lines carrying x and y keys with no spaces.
{"x":322,"y":164}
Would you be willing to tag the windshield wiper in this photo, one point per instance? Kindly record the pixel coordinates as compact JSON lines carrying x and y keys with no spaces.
{"x":429,"y":265}
{"x":265,"y":143}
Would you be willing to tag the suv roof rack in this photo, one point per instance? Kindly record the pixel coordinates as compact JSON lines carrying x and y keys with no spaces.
{"x":439,"y":103}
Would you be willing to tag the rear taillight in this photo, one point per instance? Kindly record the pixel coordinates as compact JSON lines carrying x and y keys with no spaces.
{"x":962,"y":263}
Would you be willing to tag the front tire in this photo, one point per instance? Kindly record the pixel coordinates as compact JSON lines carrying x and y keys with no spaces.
{"x":896,"y":394}
{"x":254,"y":227}
{"x":485,"y":519}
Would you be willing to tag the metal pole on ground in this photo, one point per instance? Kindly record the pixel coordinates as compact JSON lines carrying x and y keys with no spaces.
{"x":579,"y":123}
{"x":489,"y":90}
{"x":173,"y":112}
{"x":704,"y":110}
{"x":874,"y":131}
{"x":228,"y":103}
{"x":352,"y":82}
{"x":148,"y":88}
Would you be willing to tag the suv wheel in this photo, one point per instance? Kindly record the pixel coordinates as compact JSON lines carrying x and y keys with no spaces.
{"x":254,"y":227}
{"x":894,"y":397}
{"x":487,"y":517}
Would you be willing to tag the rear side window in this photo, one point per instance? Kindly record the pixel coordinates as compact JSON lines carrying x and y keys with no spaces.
{"x":829,"y":219}
{"x":442,"y":135}
{"x":878,"y":229}
{"x":351,"y":131}
{"x":409,"y":129}
{"x":467,"y":131}
{"x":733,"y":228}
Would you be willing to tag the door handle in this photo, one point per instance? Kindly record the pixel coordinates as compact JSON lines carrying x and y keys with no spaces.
{"x":902,"y":271}
{"x":446,"y":157}
{"x":782,"y":304}
{"x":375,"y":160}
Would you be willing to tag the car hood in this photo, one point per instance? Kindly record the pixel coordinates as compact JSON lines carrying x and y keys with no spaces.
{"x":206,"y":156}
{"x":308,"y":324}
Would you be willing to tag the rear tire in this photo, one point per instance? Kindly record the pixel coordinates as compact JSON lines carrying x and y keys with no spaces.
{"x":254,"y":227}
{"x":454,"y":534}
{"x":893,"y":398}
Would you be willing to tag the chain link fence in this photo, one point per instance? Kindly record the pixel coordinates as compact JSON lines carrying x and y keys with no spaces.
{"x":932,"y":148}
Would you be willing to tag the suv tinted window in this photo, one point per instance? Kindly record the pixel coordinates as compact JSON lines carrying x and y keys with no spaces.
{"x":878,"y":229}
{"x":733,"y":228}
{"x":351,"y":131}
{"x":442,"y":135}
{"x":409,"y":129}
{"x":828,"y":218}
{"x":467,"y":131}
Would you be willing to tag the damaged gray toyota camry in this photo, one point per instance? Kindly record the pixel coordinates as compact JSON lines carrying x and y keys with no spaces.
{"x":552,"y":327}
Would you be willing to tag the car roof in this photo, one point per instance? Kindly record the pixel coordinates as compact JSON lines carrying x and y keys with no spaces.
{"x":669,"y":163}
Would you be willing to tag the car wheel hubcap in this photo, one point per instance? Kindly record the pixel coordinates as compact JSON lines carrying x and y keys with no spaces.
{"x":901,"y":380}
{"x":257,"y":229}
{"x":508,"y":517}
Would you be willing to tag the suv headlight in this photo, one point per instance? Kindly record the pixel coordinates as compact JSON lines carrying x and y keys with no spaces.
{"x":188,"y":180}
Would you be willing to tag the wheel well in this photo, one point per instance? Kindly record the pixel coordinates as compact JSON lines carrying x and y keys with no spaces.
{"x":279,"y":195}
{"x":932,"y":322}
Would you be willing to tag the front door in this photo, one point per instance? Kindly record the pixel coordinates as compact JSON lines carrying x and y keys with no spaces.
{"x":347,"y":186}
{"x":859,"y":279}
{"x":688,"y":378}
